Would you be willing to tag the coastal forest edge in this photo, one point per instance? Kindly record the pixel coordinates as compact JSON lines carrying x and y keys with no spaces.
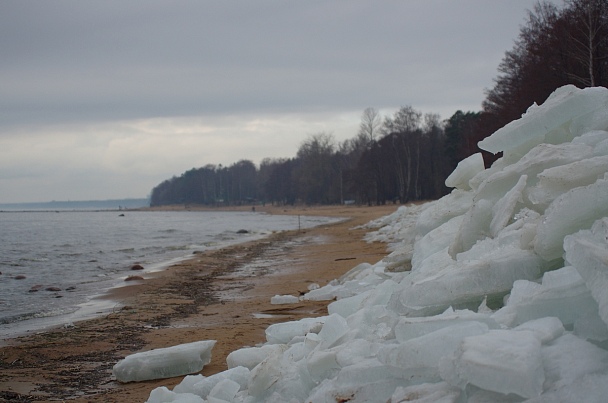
{"x":407,"y":156}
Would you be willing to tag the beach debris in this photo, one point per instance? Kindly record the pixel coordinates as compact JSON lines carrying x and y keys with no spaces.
{"x":137,"y":267}
{"x":52,"y":289}
{"x":162,"y":363}
{"x":496,"y":292}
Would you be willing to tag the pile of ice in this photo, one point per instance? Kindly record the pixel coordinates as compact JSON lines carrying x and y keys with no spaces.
{"x":497,"y":292}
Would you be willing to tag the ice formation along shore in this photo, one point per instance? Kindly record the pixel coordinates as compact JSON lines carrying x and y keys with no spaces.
{"x":497,"y":292}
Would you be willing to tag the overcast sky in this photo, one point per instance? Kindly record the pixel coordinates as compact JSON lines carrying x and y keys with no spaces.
{"x":106,"y":99}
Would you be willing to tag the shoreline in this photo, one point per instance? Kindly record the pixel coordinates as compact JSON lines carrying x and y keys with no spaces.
{"x":222,"y":295}
{"x":99,"y":303}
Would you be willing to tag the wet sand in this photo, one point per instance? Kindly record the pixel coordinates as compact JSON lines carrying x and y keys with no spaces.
{"x":221,"y":295}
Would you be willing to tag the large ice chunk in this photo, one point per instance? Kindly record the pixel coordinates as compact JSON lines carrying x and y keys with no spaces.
{"x":421,"y":355}
{"x":545,"y":329}
{"x":562,"y":294}
{"x":443,"y":210}
{"x":466,"y":283}
{"x":553,"y":182}
{"x":574,"y":210}
{"x":378,"y":295}
{"x":167,"y":362}
{"x":410,"y":328}
{"x":503,"y":361}
{"x":366,"y":381}
{"x":334,"y":329}
{"x":283,"y":333}
{"x":593,"y":387}
{"x":550,"y":122}
{"x":249,"y":357}
{"x":569,"y":358}
{"x":475,"y":226}
{"x":372,"y":323}
{"x":224,"y":391}
{"x":538,"y":159}
{"x":466,"y":169}
{"x":588,"y":252}
{"x":204,"y":386}
{"x":504,"y":210}
{"x":163,"y":395}
{"x":435,"y":240}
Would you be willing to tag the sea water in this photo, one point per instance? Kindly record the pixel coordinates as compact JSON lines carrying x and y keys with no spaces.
{"x":53,"y":264}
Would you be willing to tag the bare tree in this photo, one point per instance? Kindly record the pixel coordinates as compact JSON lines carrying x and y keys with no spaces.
{"x":370,"y":125}
{"x":587,"y":35}
{"x":405,"y":120}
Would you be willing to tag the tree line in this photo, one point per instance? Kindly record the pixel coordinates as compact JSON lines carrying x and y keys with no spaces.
{"x":394,"y":159}
{"x":407,"y":156}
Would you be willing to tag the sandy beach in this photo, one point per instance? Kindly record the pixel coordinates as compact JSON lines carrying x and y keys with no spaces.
{"x":221,"y":295}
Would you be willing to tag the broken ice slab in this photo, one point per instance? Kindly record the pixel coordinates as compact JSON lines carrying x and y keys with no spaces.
{"x":249,"y":357}
{"x":283,"y":333}
{"x":334,"y":329}
{"x":325,"y":293}
{"x":545,"y":329}
{"x":204,"y":386}
{"x":551,"y":121}
{"x":465,"y":284}
{"x":410,"y":328}
{"x":280,"y":378}
{"x":167,"y":362}
{"x":435,"y":240}
{"x":421,"y":355}
{"x":443,"y":210}
{"x":587,"y":250}
{"x":503,"y":361}
{"x":164,"y":395}
{"x":562,"y":294}
{"x":505,"y":208}
{"x":224,"y":391}
{"x":366,"y":381}
{"x":570,"y":358}
{"x":465,"y":171}
{"x":379,"y":295}
{"x":538,"y":159}
{"x":572,"y":211}
{"x":372,"y":323}
{"x":593,"y":387}
{"x":555,"y":181}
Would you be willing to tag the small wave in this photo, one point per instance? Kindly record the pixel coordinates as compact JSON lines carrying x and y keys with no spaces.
{"x":178,"y":247}
{"x":75,"y":254}
{"x":33,"y":259}
{"x":35,"y":315}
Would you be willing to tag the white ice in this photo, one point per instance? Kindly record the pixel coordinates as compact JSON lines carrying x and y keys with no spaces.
{"x":167,"y":362}
{"x":497,"y":292}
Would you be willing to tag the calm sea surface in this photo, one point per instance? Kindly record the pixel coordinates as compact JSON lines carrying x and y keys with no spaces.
{"x":54,"y":263}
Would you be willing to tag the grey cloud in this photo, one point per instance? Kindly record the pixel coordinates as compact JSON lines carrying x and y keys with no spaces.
{"x":87,"y":61}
